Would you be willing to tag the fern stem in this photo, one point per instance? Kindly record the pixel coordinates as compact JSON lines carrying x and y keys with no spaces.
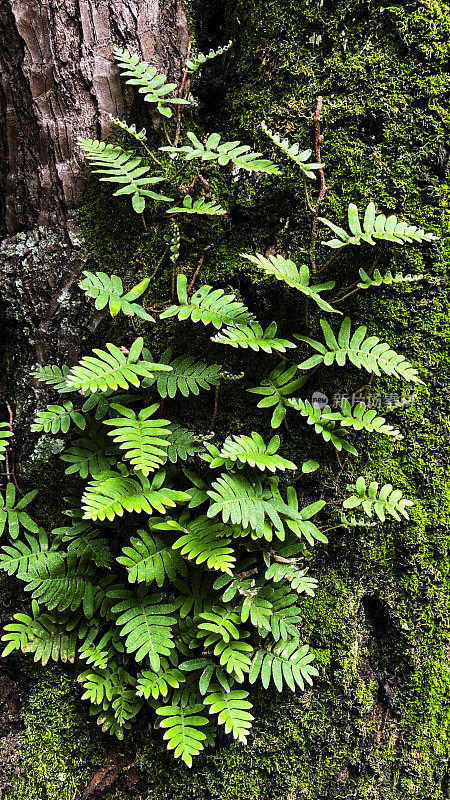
{"x":215,"y":410}
{"x":180,"y":94}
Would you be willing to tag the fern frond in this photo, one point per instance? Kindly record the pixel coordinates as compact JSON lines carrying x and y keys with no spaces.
{"x":235,"y":657}
{"x":139,"y":136}
{"x":369,"y":353}
{"x":293,"y":152}
{"x":386,"y":500}
{"x":54,"y":376}
{"x":283,"y":269}
{"x":145,"y":624}
{"x":301,"y":525}
{"x":362,"y":418}
{"x":144,"y":440}
{"x":286,"y":664}
{"x":60,"y":582}
{"x":298,"y":580}
{"x":155,"y":684}
{"x":47,"y":636}
{"x":254,"y":337}
{"x":324,"y":421}
{"x":153,"y":86}
{"x":377,"y":279}
{"x":375,"y":226}
{"x":238,"y":154}
{"x":207,"y":305}
{"x":183,"y":732}
{"x":200,"y":206}
{"x":182,"y":444}
{"x":217,"y":625}
{"x":89,"y":456}
{"x":107,"y":290}
{"x":196,"y":593}
{"x":205,"y":540}
{"x":18,"y":556}
{"x":111,"y":494}
{"x":13,"y":514}
{"x":117,"y":165}
{"x":233,"y":710}
{"x":276,"y":389}
{"x":111,"y":369}
{"x":251,"y":450}
{"x":90,"y":546}
{"x":5,"y":436}
{"x":195,"y":62}
{"x":187,"y":376}
{"x":58,"y":418}
{"x":149,"y":558}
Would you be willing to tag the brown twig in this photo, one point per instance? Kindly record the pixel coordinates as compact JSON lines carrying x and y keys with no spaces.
{"x":159,"y":263}
{"x":349,"y":290}
{"x":216,"y":409}
{"x":200,"y":263}
{"x":10,"y":472}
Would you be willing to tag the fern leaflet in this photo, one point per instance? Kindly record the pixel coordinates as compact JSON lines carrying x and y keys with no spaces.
{"x":207,"y":305}
{"x":293,"y":152}
{"x":254,"y":337}
{"x":111,"y":369}
{"x":375,"y":226}
{"x":187,"y":376}
{"x":152,"y":85}
{"x":144,"y":440}
{"x":107,"y":290}
{"x":238,"y":154}
{"x":386,"y":500}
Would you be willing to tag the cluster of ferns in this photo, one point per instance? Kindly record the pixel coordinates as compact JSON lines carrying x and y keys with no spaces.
{"x":177,"y":582}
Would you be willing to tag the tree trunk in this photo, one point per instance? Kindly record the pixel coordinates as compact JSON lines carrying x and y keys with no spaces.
{"x":58,"y":82}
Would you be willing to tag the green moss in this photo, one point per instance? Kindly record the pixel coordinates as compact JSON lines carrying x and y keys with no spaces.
{"x":58,"y":749}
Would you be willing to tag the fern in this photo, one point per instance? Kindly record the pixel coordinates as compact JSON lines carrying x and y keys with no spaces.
{"x":298,"y":580}
{"x":386,"y":500}
{"x":149,"y":559}
{"x":18,"y":556}
{"x":200,"y":206}
{"x":182,"y":444}
{"x":277,"y":389}
{"x":152,"y":85}
{"x":233,"y":710}
{"x":54,"y":376}
{"x":61,"y":581}
{"x":116,"y":165}
{"x":139,"y":136}
{"x":219,"y":624}
{"x":251,"y":450}
{"x":5,"y":436}
{"x":205,"y":540}
{"x":107,"y":290}
{"x":254,"y":337}
{"x":155,"y":684}
{"x":187,"y":376}
{"x":145,"y":624}
{"x":111,"y":494}
{"x":89,"y":455}
{"x":238,"y":154}
{"x":324,"y":421}
{"x":207,"y":305}
{"x":144,"y":440}
{"x":377,"y":279}
{"x":375,"y":226}
{"x":47,"y":636}
{"x":370,"y":353}
{"x":195,"y":62}
{"x":13,"y":514}
{"x":182,"y":726}
{"x":293,"y":152}
{"x":285,"y":270}
{"x":112,"y":369}
{"x":286,"y":664}
{"x":363,"y":418}
{"x":58,"y":418}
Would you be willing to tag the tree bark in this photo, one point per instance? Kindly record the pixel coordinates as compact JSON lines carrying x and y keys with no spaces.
{"x":58,"y":81}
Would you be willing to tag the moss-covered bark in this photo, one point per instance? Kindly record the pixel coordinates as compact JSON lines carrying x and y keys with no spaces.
{"x":376,"y":724}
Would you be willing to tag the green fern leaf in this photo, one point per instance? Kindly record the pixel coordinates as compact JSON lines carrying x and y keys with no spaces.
{"x":112,"y":369}
{"x":18,"y":556}
{"x":276,"y":389}
{"x":250,"y":450}
{"x":145,"y":624}
{"x":111,"y":494}
{"x":151,"y":84}
{"x":47,"y":636}
{"x":13,"y":514}
{"x":116,"y":165}
{"x":254,"y":337}
{"x":182,"y":730}
{"x":286,"y":664}
{"x":375,"y":226}
{"x":285,"y":270}
{"x":182,"y":444}
{"x":5,"y":436}
{"x":138,"y":136}
{"x":196,"y":61}
{"x":155,"y":684}
{"x":200,"y":206}
{"x":235,"y":657}
{"x":58,"y":418}
{"x":238,"y":154}
{"x":386,"y":500}
{"x":107,"y":290}
{"x":324,"y":421}
{"x":205,"y":540}
{"x":207,"y":305}
{"x":233,"y":710}
{"x":149,"y":559}
{"x":144,"y":440}
{"x":219,"y":624}
{"x":188,"y":376}
{"x":293,"y":152}
{"x":54,"y":376}
{"x":60,"y":582}
{"x":370,"y":353}
{"x":377,"y":279}
{"x":89,"y":456}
